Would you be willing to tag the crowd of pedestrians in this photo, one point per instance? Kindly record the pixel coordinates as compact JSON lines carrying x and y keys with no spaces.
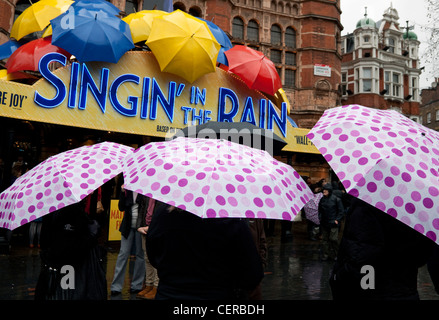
{"x":181,"y":256}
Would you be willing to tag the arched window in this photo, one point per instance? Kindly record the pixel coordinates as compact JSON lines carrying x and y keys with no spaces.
{"x":276,"y":35}
{"x":238,"y":28}
{"x":195,"y":12}
{"x":131,"y":6}
{"x":290,"y":37}
{"x":180,"y":6}
{"x":253,"y":31}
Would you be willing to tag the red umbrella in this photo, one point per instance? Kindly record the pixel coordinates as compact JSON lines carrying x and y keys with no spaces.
{"x":27,"y":56}
{"x":254,"y":68}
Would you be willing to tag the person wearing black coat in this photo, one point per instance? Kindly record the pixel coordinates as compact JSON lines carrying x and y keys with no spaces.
{"x":379,"y":257}
{"x":71,"y":266}
{"x":202,"y":259}
{"x":331,"y":211}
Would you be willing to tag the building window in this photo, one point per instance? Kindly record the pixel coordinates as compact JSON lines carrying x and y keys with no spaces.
{"x":253,"y":31}
{"x":279,"y":71}
{"x":290,"y":58}
{"x":195,"y":12}
{"x":290,"y":78}
{"x":429,"y":117}
{"x":437,"y":115}
{"x":276,"y":36}
{"x":415,"y":90}
{"x":290,"y":37}
{"x":387,"y":82}
{"x":238,"y":28}
{"x":396,"y":85}
{"x":344,"y":83}
{"x":391,"y":44}
{"x":392,"y":83}
{"x":276,"y":56}
{"x":131,"y":6}
{"x":367,"y":79}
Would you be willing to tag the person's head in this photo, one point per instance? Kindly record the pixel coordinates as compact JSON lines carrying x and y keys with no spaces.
{"x":327,"y":189}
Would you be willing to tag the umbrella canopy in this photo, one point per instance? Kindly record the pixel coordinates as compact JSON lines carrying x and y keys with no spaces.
{"x":8,"y":48}
{"x":254,"y":68}
{"x":91,"y":6}
{"x":386,"y":160}
{"x":95,"y":36}
{"x":216,"y":178}
{"x":140,"y":23}
{"x":59,"y":181}
{"x":311,"y":208}
{"x":38,"y":16}
{"x":28,"y":55}
{"x":222,"y":39}
{"x":183,"y":45}
{"x":96,"y":5}
{"x":238,"y":132}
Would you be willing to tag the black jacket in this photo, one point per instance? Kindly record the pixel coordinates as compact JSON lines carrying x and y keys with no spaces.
{"x":201,"y":258}
{"x":394,"y":250}
{"x":125,"y":204}
{"x":330,"y":209}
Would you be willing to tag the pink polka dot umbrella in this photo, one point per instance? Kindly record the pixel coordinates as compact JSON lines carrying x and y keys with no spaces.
{"x":59,"y":181}
{"x":216,"y":178}
{"x":385,"y":159}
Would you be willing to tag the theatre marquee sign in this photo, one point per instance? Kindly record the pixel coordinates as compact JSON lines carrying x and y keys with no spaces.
{"x":134,"y":96}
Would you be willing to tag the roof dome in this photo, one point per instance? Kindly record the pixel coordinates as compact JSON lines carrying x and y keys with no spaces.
{"x":410,"y":35}
{"x":366,"y":22}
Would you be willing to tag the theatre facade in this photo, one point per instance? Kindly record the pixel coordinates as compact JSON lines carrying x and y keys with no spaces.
{"x":133,"y":102}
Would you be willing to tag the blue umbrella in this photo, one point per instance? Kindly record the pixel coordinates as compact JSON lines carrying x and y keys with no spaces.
{"x":94,"y":36}
{"x":222,"y":39}
{"x":96,"y":5}
{"x":7,"y":48}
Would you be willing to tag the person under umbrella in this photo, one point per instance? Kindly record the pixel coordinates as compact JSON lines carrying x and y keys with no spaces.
{"x":202,"y":259}
{"x":379,"y":257}
{"x":331,"y":212}
{"x":71,"y":264}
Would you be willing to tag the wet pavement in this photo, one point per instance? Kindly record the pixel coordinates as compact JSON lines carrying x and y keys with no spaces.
{"x":294,"y":271}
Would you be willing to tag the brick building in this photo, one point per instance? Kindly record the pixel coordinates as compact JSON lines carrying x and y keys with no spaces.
{"x":302,"y":38}
{"x":380,"y":65}
{"x":429,"y":109}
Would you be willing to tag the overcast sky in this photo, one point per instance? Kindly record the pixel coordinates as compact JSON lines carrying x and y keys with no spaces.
{"x":413,"y":11}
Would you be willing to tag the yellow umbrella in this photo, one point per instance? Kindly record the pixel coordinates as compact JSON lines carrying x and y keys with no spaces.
{"x":183,"y":45}
{"x":140,"y":23}
{"x":38,"y":16}
{"x":47,"y":32}
{"x":4,"y":75}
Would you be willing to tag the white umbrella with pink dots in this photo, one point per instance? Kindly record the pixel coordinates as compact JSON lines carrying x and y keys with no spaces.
{"x":59,"y":181}
{"x":386,"y":160}
{"x":214,"y":178}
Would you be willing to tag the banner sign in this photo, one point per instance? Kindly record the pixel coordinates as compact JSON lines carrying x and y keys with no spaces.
{"x":134,"y":96}
{"x":116,"y":217}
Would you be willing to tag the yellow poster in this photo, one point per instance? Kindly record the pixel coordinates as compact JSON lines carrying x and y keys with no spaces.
{"x":135,"y":97}
{"x":115,"y":220}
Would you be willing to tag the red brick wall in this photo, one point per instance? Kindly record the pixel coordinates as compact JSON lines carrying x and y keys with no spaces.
{"x":220,"y":11}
